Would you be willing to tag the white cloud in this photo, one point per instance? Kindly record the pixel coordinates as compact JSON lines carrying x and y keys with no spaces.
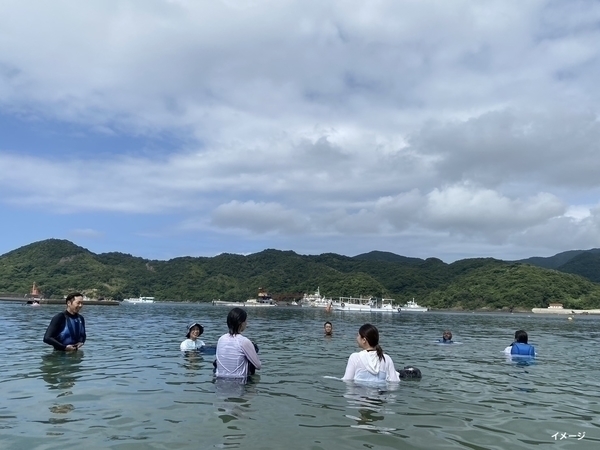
{"x":391,"y":119}
{"x":258,"y":218}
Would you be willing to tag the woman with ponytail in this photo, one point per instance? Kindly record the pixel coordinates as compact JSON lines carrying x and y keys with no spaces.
{"x":370,"y":364}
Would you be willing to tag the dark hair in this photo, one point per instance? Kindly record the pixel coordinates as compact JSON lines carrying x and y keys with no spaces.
{"x":521,"y":337}
{"x":371,"y":334}
{"x":235,"y":319}
{"x":72,"y":296}
{"x":327,"y":323}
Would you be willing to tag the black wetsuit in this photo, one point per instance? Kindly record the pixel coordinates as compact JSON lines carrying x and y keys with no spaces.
{"x":65,"y":329}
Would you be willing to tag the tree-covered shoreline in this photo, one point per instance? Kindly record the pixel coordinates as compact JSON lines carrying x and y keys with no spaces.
{"x":59,"y":266}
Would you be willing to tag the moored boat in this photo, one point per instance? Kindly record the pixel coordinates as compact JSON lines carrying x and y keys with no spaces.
{"x":315,"y":300}
{"x":264,"y":300}
{"x":411,"y":305}
{"x":365,"y":304}
{"x":251,"y":303}
{"x":139,"y":300}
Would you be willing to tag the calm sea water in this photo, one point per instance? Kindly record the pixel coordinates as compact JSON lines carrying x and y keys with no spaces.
{"x":131,"y":388}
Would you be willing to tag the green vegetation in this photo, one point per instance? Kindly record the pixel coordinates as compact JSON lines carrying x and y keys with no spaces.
{"x":59,"y":266}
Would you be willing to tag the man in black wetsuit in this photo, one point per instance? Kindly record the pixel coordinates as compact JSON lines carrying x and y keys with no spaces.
{"x":67,"y":329}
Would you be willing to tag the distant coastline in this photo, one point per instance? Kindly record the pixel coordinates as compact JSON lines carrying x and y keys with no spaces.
{"x":56,"y":301}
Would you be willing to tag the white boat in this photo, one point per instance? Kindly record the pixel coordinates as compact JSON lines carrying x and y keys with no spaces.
{"x":254,"y":303}
{"x":365,"y":304}
{"x":315,"y":300}
{"x":226,"y":303}
{"x":139,"y":300}
{"x":264,"y":300}
{"x":411,"y":305}
{"x":384,"y":305}
{"x":251,"y":303}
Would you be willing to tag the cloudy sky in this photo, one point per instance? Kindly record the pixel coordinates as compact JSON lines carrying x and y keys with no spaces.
{"x":164,"y":128}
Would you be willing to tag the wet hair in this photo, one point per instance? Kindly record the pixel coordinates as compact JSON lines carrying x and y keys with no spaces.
{"x":327,"y":323}
{"x":371,"y":334}
{"x":410,"y":372}
{"x":235,"y":319}
{"x":72,"y":296}
{"x":521,"y":337}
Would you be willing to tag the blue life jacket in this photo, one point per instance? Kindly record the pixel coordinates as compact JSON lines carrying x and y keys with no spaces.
{"x":73,"y":332}
{"x":521,"y":349}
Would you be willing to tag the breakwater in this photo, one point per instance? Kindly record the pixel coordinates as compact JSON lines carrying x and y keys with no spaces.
{"x":564,"y":311}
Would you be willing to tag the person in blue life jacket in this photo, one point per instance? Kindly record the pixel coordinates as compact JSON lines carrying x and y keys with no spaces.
{"x":66,"y":331}
{"x":446,"y":337}
{"x":520,"y":347}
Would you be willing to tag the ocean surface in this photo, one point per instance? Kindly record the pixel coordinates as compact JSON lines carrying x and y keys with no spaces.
{"x":131,"y":388}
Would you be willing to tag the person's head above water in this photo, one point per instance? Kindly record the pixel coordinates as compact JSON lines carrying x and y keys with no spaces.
{"x":328,"y":327}
{"x":447,"y":335}
{"x":521,"y":337}
{"x":74,"y":302}
{"x":368,"y":339}
{"x":194,"y":330}
{"x":236,"y":321}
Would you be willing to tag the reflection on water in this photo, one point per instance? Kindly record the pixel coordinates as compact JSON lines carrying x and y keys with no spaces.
{"x":192,"y":361}
{"x":135,"y":392}
{"x":370,"y":402}
{"x":60,"y":369}
{"x":233,"y":403}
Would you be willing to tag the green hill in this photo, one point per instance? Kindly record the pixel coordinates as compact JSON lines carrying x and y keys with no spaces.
{"x":59,"y":266}
{"x":558,"y":260}
{"x":387,"y":256}
{"x":586,"y":264}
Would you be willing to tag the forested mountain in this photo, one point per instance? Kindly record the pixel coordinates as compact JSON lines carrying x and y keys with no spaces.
{"x":59,"y":266}
{"x":387,"y":256}
{"x":579,"y":262}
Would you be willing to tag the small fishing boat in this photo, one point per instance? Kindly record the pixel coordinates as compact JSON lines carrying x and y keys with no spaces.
{"x":412,"y":306}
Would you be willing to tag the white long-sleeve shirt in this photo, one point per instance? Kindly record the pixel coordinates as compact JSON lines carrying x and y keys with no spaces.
{"x":191,"y":345}
{"x":233,"y":354}
{"x":366,"y":366}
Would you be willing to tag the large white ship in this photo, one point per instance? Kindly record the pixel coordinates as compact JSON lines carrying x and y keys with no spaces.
{"x":365,"y":304}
